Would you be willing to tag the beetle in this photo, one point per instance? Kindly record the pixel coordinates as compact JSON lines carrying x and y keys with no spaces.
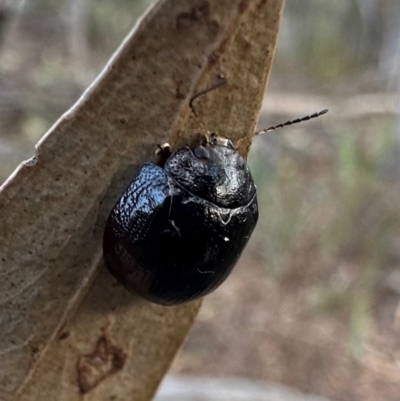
{"x":178,"y":230}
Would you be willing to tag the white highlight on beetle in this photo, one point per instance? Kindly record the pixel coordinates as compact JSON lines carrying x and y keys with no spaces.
{"x":176,"y":228}
{"x":206,"y":272}
{"x":225,"y":219}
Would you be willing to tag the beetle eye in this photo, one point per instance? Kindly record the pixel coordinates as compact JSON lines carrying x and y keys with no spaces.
{"x":202,"y":153}
{"x":241,"y":164}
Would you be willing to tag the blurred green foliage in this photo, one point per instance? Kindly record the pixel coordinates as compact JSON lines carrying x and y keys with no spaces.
{"x":326,"y":221}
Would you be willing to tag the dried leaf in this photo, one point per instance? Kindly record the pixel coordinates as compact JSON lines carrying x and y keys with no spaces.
{"x":68,"y":328}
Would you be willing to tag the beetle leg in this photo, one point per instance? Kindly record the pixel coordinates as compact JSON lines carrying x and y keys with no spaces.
{"x":163,"y":152}
{"x":207,"y":139}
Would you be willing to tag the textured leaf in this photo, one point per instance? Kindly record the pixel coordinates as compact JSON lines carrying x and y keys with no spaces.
{"x":68,"y":328}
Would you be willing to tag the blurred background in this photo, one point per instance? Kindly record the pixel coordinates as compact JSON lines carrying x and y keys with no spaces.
{"x":313,"y":304}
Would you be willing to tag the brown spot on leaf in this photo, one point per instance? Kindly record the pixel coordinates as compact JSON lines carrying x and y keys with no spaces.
{"x":261,"y":4}
{"x":34,"y":351}
{"x":243,"y":6}
{"x":105,"y":360}
{"x":214,"y":27}
{"x":198,"y":13}
{"x":217,"y":53}
{"x":64,"y":335}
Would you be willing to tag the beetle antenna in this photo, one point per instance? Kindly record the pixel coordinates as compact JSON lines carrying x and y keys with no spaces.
{"x":295,"y":121}
{"x":222,"y":81}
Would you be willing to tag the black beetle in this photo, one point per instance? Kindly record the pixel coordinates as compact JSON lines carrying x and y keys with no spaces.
{"x":179,"y":229}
